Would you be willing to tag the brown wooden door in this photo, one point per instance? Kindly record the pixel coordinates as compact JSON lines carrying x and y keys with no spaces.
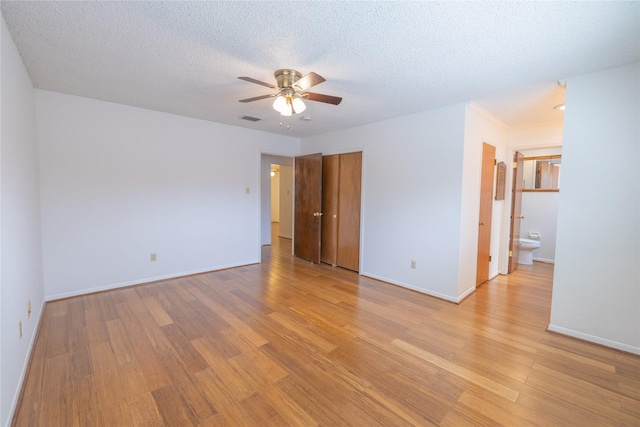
{"x":307,"y":212}
{"x":330,"y":188}
{"x":516,"y":210}
{"x":348,"y":255}
{"x":486,"y":204}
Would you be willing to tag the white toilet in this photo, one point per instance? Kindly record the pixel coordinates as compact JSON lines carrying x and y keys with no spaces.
{"x":527,"y":246}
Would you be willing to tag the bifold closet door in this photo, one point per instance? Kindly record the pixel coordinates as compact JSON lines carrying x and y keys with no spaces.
{"x":307,"y":207}
{"x":330,"y":184}
{"x":349,"y":195}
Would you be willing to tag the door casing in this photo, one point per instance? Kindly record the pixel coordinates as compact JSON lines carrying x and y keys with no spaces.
{"x":516,"y":211}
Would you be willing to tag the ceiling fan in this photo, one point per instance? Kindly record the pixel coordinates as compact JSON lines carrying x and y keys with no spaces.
{"x":290,"y":91}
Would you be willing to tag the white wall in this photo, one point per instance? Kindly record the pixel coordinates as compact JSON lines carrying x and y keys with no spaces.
{"x":411,"y":196}
{"x":20,"y":254}
{"x":536,"y":136}
{"x":265,"y":199}
{"x":596,"y":292}
{"x":421,"y":196}
{"x":540,"y":210}
{"x":118,"y":183}
{"x":480,"y":127}
{"x":275,"y":197}
{"x":286,"y":201}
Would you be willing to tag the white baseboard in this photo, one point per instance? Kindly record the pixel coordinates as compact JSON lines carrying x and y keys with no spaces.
{"x":594,"y":339}
{"x":143,"y":281}
{"x":545,"y":260}
{"x":25,"y":366}
{"x":467,"y":293}
{"x":414,"y":288}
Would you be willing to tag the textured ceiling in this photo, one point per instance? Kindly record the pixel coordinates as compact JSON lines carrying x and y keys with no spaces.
{"x":386,"y":59}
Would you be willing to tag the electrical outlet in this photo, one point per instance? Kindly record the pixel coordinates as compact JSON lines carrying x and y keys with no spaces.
{"x":153,"y":257}
{"x":413,"y":264}
{"x":20,"y":328}
{"x":28,"y":309}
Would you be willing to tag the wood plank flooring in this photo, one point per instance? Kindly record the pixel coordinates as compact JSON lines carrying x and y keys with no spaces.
{"x":289,"y":343}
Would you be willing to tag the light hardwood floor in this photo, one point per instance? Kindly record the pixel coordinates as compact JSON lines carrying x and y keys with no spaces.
{"x":287,"y":342}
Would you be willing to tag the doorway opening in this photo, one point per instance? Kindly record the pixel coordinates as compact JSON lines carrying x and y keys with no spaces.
{"x":276,"y":197}
{"x":534,"y":211}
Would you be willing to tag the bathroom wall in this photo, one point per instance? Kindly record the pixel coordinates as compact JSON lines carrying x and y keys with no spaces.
{"x":540,"y":210}
{"x":541,"y":215}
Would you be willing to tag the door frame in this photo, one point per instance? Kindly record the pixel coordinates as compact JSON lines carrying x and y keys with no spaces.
{"x":503,"y":264}
{"x":266,"y":159}
{"x":265,"y":193}
{"x":516,"y":211}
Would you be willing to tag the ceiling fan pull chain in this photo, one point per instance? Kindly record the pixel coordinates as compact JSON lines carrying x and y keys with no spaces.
{"x":288,"y":125}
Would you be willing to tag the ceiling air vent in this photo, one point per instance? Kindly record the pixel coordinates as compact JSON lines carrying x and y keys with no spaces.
{"x":251,"y":119}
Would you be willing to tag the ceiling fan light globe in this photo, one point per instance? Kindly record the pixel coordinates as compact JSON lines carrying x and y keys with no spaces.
{"x":280,"y":103}
{"x":298,"y":105}
{"x":287,"y":110}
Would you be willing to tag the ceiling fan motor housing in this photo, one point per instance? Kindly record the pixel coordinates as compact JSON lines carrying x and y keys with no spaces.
{"x":286,"y":77}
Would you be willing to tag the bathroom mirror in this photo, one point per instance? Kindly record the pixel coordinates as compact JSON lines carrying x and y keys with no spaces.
{"x":541,"y":173}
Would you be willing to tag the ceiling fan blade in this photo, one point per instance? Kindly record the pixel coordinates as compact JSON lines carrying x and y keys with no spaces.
{"x":257,"y":98}
{"x":311,"y":79}
{"x":258,"y":82}
{"x":322,"y":98}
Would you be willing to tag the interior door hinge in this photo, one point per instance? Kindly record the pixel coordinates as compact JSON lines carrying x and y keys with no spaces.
{"x":515,"y":165}
{"x":489,"y":258}
{"x":495,"y":162}
{"x":511,"y":253}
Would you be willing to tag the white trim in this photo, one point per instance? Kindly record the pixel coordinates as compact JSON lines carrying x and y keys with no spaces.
{"x":359,"y":149}
{"x":594,"y":339}
{"x":25,"y":366}
{"x":487,"y":115}
{"x":422,"y":291}
{"x":466,"y":294}
{"x":545,"y":260}
{"x":146,"y":280}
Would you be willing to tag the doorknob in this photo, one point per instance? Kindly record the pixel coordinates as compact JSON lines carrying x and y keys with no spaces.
{"x":317,"y":214}
{"x":482,"y":223}
{"x":521,"y":216}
